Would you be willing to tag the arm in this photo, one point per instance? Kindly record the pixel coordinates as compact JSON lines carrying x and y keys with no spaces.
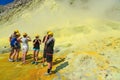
{"x":39,"y":41}
{"x":43,"y":40}
{"x":18,"y":39}
{"x":10,"y":38}
{"x":34,"y":41}
{"x":46,"y":38}
{"x":29,"y":39}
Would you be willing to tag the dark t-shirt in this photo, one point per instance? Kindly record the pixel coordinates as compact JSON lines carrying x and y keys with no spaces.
{"x":50,"y":45}
{"x":37,"y":44}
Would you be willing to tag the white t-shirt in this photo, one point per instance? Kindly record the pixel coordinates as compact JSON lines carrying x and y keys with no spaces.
{"x":24,"y":41}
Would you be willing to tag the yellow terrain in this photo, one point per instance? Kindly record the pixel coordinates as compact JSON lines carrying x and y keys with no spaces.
{"x":87,"y":40}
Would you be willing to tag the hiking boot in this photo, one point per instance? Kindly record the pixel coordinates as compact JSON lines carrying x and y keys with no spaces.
{"x":36,"y":63}
{"x":33,"y":62}
{"x":10,"y":60}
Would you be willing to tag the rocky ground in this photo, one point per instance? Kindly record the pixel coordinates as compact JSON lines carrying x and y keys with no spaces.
{"x":87,"y":47}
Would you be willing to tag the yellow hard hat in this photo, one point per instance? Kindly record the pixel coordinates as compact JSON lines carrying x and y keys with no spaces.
{"x":50,"y":33}
{"x":18,"y":34}
{"x":16,"y":31}
{"x":37,"y":35}
{"x":24,"y":34}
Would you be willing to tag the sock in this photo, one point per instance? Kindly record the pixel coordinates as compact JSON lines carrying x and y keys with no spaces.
{"x":48,"y":70}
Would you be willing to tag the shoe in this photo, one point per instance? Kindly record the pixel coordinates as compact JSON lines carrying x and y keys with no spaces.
{"x":10,"y":60}
{"x":36,"y":63}
{"x":33,"y":62}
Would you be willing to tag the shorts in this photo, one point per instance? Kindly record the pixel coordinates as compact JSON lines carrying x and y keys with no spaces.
{"x":25,"y":49}
{"x":12,"y":49}
{"x":15,"y":47}
{"x":19,"y":47}
{"x":36,"y":49}
{"x":49,"y":57}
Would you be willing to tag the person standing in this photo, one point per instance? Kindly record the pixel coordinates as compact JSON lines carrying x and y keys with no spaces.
{"x":49,"y":51}
{"x":44,"y":41}
{"x":16,"y":47}
{"x":36,"y":48}
{"x":25,"y":39}
{"x":12,"y":48}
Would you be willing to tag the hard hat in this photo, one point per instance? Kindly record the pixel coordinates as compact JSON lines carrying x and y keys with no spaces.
{"x":50,"y":33}
{"x":18,"y":34}
{"x":16,"y":31}
{"x":36,"y":35}
{"x":24,"y":34}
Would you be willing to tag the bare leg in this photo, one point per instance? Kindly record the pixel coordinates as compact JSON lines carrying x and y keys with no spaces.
{"x":49,"y":67}
{"x":44,"y":56}
{"x":13,"y":56}
{"x":24,"y":57}
{"x":11,"y":53}
{"x":36,"y":55}
{"x":43,"y":60}
{"x":17,"y":54}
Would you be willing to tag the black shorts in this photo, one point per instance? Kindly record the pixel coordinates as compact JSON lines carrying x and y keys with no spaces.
{"x":15,"y":47}
{"x":49,"y":58}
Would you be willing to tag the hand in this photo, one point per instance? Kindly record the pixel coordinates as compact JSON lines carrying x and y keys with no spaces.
{"x":28,"y":36}
{"x":36,"y":40}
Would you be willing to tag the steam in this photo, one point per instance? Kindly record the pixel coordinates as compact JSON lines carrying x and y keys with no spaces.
{"x":100,"y":7}
{"x":91,"y":8}
{"x":52,"y":14}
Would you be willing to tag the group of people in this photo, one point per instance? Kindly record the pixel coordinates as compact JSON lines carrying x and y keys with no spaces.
{"x":15,"y":43}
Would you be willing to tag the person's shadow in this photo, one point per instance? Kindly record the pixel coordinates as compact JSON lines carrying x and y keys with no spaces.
{"x":61,"y":66}
{"x":58,"y":60}
{"x":29,"y":56}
